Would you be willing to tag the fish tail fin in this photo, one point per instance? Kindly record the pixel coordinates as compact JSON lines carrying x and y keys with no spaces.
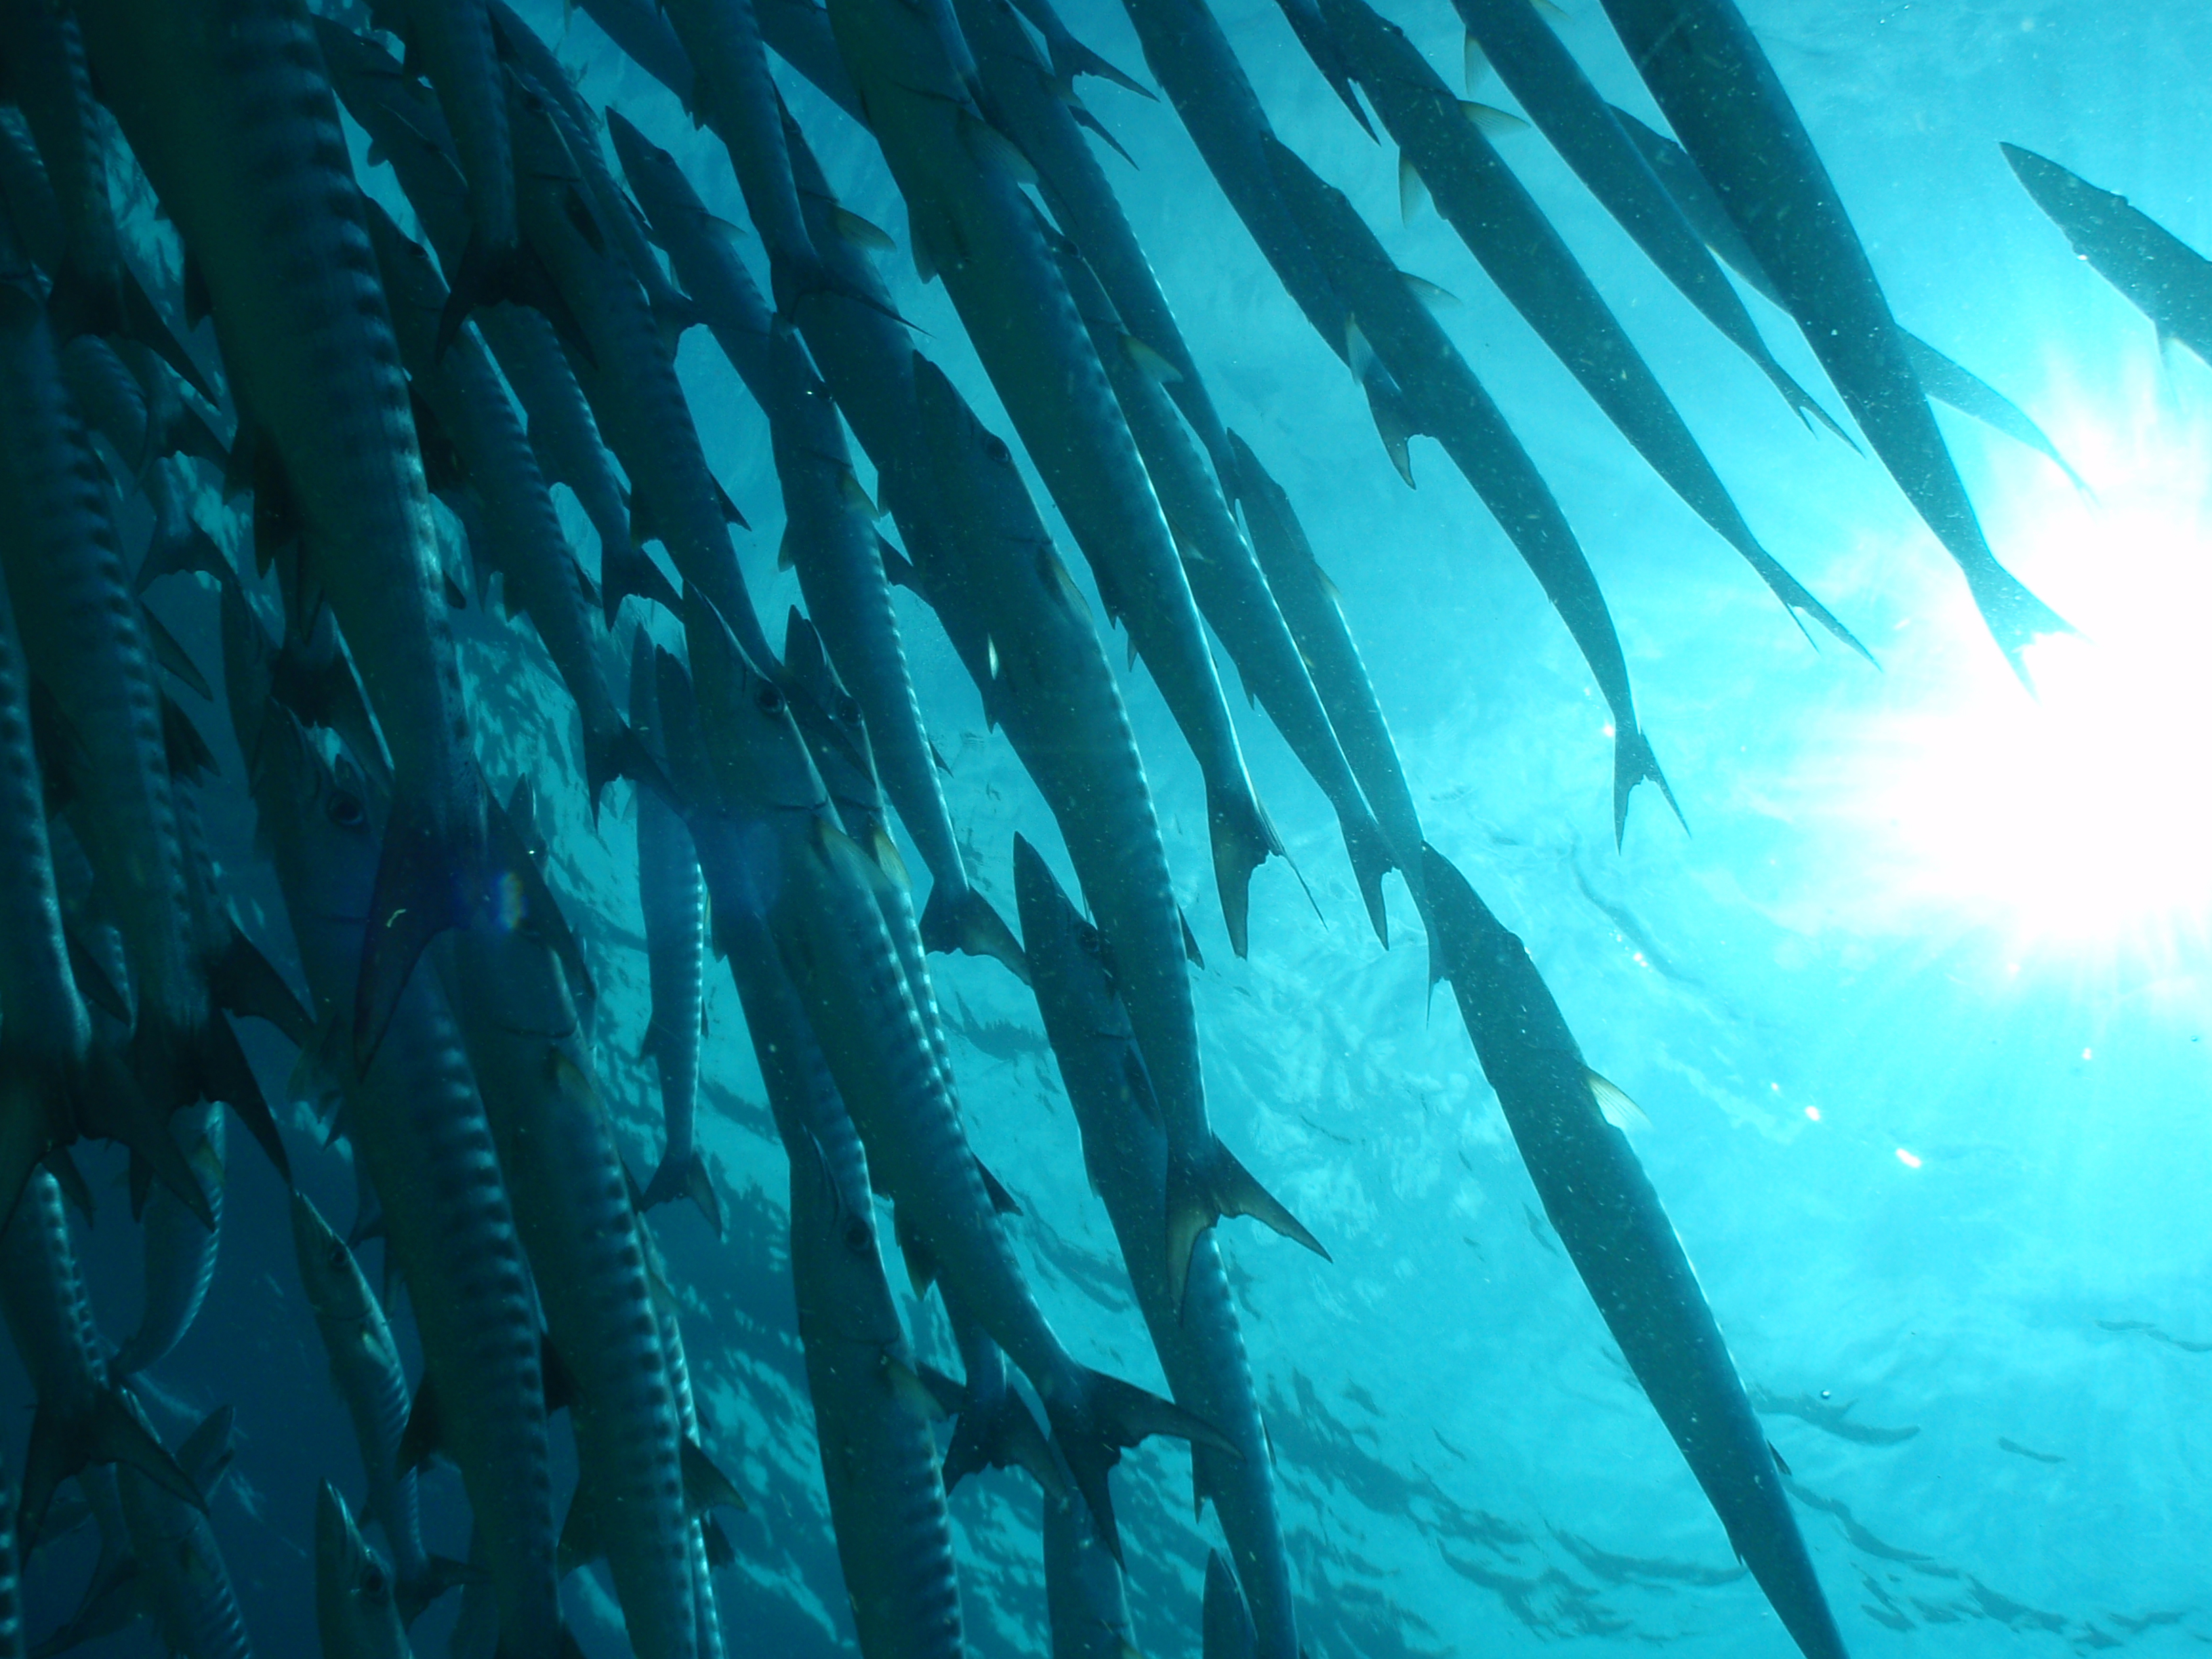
{"x":684,"y":1177}
{"x":1371,"y":859}
{"x":619,"y":752}
{"x":1071,"y":58}
{"x":964,"y":920}
{"x":129,"y":1100}
{"x":1244,"y":840}
{"x":430,"y":878}
{"x":2014,"y":616}
{"x":997,"y":1435}
{"x":109,"y":1432}
{"x":1095,"y":1418}
{"x":1225,"y":1623}
{"x":628,"y":570}
{"x":1802,"y":404}
{"x":1236,"y":1191}
{"x":438,"y":1574}
{"x":1633,"y":763}
{"x":1799,"y":598}
{"x":142,"y":321}
{"x":795,"y":275}
{"x":33,"y":1110}
{"x":185,"y":549}
{"x":222,"y":1072}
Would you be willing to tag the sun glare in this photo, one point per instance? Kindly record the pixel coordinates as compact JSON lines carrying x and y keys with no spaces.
{"x":2077,"y":820}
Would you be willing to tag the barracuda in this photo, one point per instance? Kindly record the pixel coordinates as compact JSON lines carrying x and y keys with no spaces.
{"x":510,"y":997}
{"x":1450,"y":406}
{"x":227,"y":108}
{"x":1729,"y":107}
{"x":1547,"y":82}
{"x":630,"y":379}
{"x":452,"y":41}
{"x":1607,"y":1215}
{"x":1195,"y":1331}
{"x":1027,"y":639}
{"x":463,"y":390}
{"x":1226,"y":581}
{"x":673,"y":903}
{"x":970,"y":224}
{"x":773,"y":856}
{"x":1495,"y":216}
{"x":365,"y":1368}
{"x":355,"y":1612}
{"x":829,"y":535}
{"x":1308,"y":601}
{"x":418,"y":1127}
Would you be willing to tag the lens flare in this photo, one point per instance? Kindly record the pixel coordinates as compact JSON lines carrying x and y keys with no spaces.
{"x":2072,"y":821}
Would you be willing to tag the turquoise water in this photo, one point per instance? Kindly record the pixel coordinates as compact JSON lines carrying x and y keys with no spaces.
{"x":1914,"y":1012}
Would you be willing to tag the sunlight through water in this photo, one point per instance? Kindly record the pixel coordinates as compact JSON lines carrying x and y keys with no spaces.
{"x":2071,"y":823}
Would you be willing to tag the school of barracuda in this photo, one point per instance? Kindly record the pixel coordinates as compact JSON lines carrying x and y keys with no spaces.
{"x":493,"y":309}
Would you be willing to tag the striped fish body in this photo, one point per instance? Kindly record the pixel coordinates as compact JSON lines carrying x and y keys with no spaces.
{"x":1044,"y":675}
{"x":1309,"y":608}
{"x":183,"y":1582}
{"x":1085,"y":1608}
{"x":228,"y":106}
{"x":1197,"y":69}
{"x":1714,"y":83}
{"x":572,"y":1205}
{"x":11,"y":1584}
{"x":710,"y":1643}
{"x":674,"y":901}
{"x":44,"y":1027}
{"x":871,"y":1419}
{"x":1201,"y":1347}
{"x":971,"y":224}
{"x":1532,"y":265}
{"x":1041,"y":117}
{"x":42,"y":1298}
{"x":49,"y":79}
{"x":355,"y":1612}
{"x":733,"y":94}
{"x":410,"y":131}
{"x":179,"y":1248}
{"x":1225,"y":578}
{"x":462,"y":387}
{"x":1451,"y":405}
{"x":1545,"y":80}
{"x":1616,"y":1232}
{"x":828,"y":529}
{"x":82,"y":635}
{"x":631,"y":381}
{"x":452,"y":41}
{"x":418,"y":1127}
{"x":365,"y":1370}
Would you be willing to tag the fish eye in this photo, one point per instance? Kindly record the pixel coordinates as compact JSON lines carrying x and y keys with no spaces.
{"x":1088,"y":939}
{"x":995,"y":448}
{"x":857,"y":1235}
{"x":335,"y":1252}
{"x":767,"y":699}
{"x":346,"y":810}
{"x":374,"y":1585}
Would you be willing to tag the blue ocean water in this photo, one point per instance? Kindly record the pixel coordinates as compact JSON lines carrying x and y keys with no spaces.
{"x":1914,"y":1011}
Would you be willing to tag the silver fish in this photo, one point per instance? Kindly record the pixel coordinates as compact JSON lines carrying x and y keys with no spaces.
{"x":829,"y":537}
{"x":355,"y":1612}
{"x":227,"y":104}
{"x":1196,"y":1334}
{"x":772,"y":854}
{"x":969,"y":223}
{"x":365,"y":1367}
{"x":1027,"y":639}
{"x":418,"y":1127}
